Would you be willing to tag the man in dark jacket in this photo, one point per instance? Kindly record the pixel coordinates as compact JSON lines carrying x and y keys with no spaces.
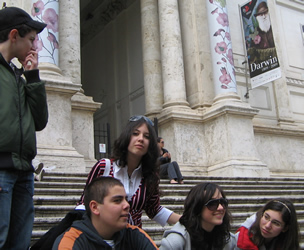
{"x":104,"y":225}
{"x":23,"y":111}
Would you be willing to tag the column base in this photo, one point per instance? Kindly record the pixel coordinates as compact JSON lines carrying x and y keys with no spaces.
{"x":230,"y":141}
{"x":49,"y":69}
{"x":83,"y":108}
{"x":239,"y":168}
{"x":65,"y":159}
{"x":191,"y":170}
{"x":176,"y":104}
{"x":89,"y":164}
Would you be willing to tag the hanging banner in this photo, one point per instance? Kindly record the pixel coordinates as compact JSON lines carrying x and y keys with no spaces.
{"x":263,"y":62}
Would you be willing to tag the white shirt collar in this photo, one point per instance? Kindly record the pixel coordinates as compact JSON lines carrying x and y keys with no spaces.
{"x":130,"y":184}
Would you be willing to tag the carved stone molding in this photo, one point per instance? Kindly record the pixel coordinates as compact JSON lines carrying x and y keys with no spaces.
{"x":137,"y":93}
{"x":97,"y":14}
{"x":298,"y":1}
{"x":295,"y":82}
{"x":294,"y":4}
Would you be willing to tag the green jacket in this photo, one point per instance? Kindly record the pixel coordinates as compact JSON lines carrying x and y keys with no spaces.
{"x":23,"y":111}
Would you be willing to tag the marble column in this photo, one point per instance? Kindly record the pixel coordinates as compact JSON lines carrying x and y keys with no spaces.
{"x":69,"y":12}
{"x":196,"y":51}
{"x":47,"y":42}
{"x":62,"y":142}
{"x":281,"y":91}
{"x":82,"y":107}
{"x":221,"y":48}
{"x":171,"y":54}
{"x":151,"y":57}
{"x":228,"y":123}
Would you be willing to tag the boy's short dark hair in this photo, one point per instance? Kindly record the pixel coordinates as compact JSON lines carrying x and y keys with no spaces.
{"x":23,"y":29}
{"x":16,"y":18}
{"x":98,"y":189}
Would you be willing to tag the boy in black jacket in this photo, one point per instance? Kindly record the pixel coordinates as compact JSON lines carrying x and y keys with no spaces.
{"x":23,"y":111}
{"x":104,"y":225}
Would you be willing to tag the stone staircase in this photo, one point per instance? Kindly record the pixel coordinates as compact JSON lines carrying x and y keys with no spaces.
{"x":58,"y":193}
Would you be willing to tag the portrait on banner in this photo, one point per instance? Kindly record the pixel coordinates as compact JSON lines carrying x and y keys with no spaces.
{"x":263,"y":62}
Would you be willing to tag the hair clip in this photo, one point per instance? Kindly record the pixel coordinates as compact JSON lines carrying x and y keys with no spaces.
{"x":283,"y":205}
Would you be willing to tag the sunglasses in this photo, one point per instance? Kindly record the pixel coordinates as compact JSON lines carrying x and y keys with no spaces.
{"x":212,"y":205}
{"x":136,"y":118}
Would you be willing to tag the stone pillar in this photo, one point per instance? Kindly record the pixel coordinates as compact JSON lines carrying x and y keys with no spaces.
{"x":69,"y":12}
{"x":172,"y":54}
{"x":196,"y":51}
{"x":47,"y":41}
{"x":228,"y":123}
{"x":221,"y":48}
{"x":281,"y":91}
{"x":62,"y":142}
{"x":83,"y":109}
{"x":151,"y":57}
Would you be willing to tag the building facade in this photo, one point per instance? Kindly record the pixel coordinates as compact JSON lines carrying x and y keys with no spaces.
{"x":164,"y":59}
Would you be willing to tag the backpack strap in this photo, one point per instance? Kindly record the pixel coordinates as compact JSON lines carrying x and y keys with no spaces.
{"x":107,"y":168}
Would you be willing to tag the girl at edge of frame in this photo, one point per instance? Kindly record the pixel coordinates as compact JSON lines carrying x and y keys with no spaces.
{"x":135,"y":163}
{"x":205,"y":223}
{"x":273,"y":227}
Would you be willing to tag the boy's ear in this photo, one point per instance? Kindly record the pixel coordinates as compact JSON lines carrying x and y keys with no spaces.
{"x":13,"y":35}
{"x":94,"y":207}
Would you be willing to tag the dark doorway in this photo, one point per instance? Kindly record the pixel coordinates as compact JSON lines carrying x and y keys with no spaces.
{"x":102,"y":141}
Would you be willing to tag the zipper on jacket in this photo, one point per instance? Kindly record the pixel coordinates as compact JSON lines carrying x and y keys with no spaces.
{"x":19,"y":82}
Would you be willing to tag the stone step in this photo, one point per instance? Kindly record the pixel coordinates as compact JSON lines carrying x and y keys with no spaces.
{"x":44,"y":203}
{"x":226,"y":186}
{"x":58,"y":193}
{"x":258,"y":199}
{"x":235,"y":203}
{"x":239,"y":211}
{"x":71,"y":177}
{"x":55,"y":200}
{"x":185,"y":187}
{"x":180,"y":193}
{"x":235,"y":192}
{"x":44,"y":223}
{"x":155,"y":233}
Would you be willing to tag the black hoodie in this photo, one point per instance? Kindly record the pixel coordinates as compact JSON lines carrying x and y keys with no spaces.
{"x":83,"y":236}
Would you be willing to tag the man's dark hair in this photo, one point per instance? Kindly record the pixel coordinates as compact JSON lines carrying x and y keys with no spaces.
{"x":23,"y":30}
{"x":98,"y":189}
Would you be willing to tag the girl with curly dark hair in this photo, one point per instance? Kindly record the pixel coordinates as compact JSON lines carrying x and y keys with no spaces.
{"x":134,"y":162}
{"x":273,"y":227}
{"x":205,"y":223}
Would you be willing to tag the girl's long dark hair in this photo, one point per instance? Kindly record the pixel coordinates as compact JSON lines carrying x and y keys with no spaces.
{"x":150,"y":165}
{"x":191,"y":219}
{"x":285,"y":240}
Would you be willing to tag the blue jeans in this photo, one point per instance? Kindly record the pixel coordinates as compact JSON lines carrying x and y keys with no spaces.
{"x":16,"y":209}
{"x":171,"y":170}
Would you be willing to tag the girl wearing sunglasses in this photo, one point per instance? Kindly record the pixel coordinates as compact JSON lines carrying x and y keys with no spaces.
{"x":205,"y":223}
{"x":273,"y":227}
